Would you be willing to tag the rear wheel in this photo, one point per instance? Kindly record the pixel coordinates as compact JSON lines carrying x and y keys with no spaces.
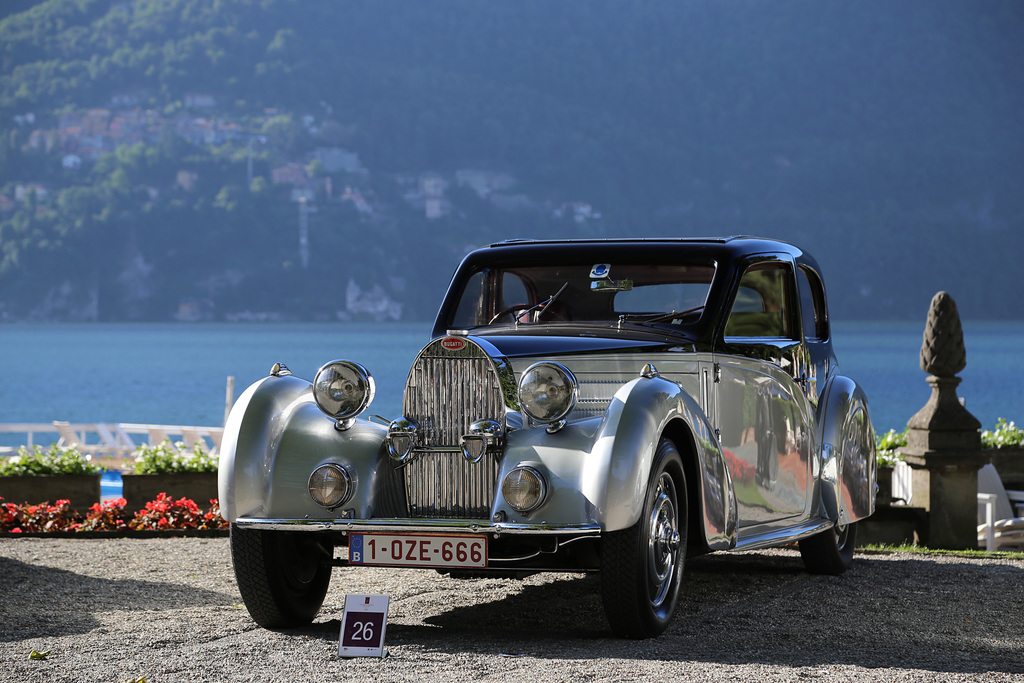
{"x":642,"y":567}
{"x":831,"y":551}
{"x":283,"y":577}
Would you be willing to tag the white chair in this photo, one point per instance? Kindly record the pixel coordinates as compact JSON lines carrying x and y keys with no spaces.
{"x":192,"y":437}
{"x":117,"y":443}
{"x":72,"y":439}
{"x":157,"y":436}
{"x":1000,"y":512}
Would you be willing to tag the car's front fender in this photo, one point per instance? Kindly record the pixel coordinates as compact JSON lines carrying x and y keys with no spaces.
{"x":275,"y":436}
{"x":599,"y":468}
{"x":641,"y":412}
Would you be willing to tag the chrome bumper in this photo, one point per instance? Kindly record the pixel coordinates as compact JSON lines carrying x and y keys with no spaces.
{"x":416,"y":525}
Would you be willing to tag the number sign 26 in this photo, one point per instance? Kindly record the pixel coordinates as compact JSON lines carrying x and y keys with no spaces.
{"x":363,"y":626}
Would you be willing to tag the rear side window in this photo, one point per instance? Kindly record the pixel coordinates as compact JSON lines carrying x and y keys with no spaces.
{"x":812,"y":304}
{"x":763,"y":305}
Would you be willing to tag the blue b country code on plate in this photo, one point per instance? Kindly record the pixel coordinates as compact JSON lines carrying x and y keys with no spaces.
{"x":418,"y":550}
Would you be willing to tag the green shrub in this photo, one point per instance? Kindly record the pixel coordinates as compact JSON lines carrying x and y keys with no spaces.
{"x":168,"y":458}
{"x":57,"y":460}
{"x":887,"y":452}
{"x":1005,"y":435}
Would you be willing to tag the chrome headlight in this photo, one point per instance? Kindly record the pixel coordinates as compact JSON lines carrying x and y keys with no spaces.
{"x":330,"y":486}
{"x":343,"y":389}
{"x":547,"y":391}
{"x":523,"y":489}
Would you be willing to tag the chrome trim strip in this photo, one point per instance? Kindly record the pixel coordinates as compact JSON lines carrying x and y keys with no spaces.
{"x":784,"y":536}
{"x":415,"y":525}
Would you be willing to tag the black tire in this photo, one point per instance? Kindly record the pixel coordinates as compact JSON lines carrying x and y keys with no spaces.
{"x":283,"y":577}
{"x":831,"y":551}
{"x":642,"y":567}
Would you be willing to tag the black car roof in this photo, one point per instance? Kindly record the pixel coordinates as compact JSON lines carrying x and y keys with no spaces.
{"x":719,"y":248}
{"x":726,"y":252}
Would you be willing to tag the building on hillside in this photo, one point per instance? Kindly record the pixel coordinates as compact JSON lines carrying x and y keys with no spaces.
{"x":289,"y":174}
{"x":511,"y":202}
{"x":96,"y":121}
{"x":24,"y":191}
{"x":200,"y":100}
{"x":580,"y":212}
{"x":358,"y":200}
{"x":484,"y":182}
{"x":373,"y":304}
{"x":186,"y":179}
{"x":337,"y":159}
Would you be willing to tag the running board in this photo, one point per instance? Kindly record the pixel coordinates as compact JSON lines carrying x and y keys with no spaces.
{"x":784,"y":536}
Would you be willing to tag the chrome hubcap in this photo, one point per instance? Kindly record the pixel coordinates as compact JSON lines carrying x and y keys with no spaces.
{"x":842,"y":533}
{"x":663,"y":541}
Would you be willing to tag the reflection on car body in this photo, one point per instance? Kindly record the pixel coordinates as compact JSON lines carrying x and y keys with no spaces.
{"x":610,"y":406}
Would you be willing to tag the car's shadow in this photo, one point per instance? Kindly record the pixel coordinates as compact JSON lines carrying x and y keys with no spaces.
{"x":912,"y":613}
{"x":42,"y":601}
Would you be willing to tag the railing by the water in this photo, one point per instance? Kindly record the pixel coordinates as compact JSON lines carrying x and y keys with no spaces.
{"x":108,"y":442}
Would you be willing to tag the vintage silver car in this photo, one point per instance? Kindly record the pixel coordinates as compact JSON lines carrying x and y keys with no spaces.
{"x":604,"y":406}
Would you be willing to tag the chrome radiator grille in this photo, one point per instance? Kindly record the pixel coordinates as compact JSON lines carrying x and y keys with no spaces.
{"x":447,"y":390}
{"x":443,"y":484}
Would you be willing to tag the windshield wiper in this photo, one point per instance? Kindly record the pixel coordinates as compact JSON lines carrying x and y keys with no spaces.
{"x":543,"y":305}
{"x":523,"y":310}
{"x":659,"y":317}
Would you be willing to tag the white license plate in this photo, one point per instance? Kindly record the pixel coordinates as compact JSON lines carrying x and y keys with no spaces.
{"x":417,"y":550}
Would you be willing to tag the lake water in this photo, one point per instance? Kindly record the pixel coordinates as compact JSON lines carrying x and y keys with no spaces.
{"x":177,"y":374}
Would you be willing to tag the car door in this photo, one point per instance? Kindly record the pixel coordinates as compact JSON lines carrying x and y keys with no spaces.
{"x":764,"y":417}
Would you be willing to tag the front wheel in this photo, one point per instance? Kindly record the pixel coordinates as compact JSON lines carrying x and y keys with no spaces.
{"x":831,"y":551}
{"x":282,"y":576}
{"x":642,"y":566}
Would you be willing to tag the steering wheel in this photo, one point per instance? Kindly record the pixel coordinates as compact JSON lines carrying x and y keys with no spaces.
{"x":507,"y":310}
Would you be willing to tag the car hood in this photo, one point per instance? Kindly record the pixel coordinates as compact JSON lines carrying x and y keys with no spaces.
{"x":518,"y":345}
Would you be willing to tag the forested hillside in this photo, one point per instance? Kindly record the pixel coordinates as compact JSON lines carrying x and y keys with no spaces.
{"x":287,"y":159}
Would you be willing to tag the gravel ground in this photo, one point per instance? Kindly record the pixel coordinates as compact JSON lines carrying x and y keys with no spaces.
{"x":168,"y":609}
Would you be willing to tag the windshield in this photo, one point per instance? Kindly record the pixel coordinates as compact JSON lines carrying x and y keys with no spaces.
{"x":593,"y":292}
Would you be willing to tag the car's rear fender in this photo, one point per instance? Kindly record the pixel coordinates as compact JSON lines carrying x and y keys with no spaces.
{"x":848,"y":476}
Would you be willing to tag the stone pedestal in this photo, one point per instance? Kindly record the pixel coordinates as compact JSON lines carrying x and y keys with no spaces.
{"x":946,"y":484}
{"x":894,"y":525}
{"x":944,"y":441}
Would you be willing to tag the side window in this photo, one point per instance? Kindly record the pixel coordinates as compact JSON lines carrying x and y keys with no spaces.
{"x":480,"y":302}
{"x":812,"y":304}
{"x":513,"y":290}
{"x":762,"y":307}
{"x":471,"y":307}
